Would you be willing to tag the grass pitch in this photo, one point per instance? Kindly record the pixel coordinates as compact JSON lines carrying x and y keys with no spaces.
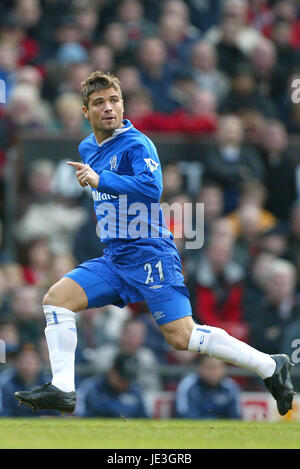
{"x":74,"y":433}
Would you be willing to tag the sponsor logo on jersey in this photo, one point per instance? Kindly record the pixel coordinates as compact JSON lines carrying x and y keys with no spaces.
{"x":99,"y":196}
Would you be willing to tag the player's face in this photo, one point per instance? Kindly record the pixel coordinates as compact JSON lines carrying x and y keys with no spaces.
{"x":105,"y":110}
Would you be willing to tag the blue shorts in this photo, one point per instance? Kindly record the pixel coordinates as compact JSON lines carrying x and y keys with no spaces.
{"x":137,"y":270}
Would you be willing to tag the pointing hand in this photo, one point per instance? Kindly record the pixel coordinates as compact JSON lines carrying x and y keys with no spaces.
{"x":85,"y":174}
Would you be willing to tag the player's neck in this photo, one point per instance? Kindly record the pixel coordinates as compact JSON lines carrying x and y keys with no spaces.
{"x":101,"y":135}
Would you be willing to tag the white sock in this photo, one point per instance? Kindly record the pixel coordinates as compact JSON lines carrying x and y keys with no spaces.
{"x":217,"y":343}
{"x":61,"y":335}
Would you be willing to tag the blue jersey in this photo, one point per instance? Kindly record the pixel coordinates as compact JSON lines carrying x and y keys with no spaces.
{"x":96,"y":398}
{"x":127,"y":198}
{"x":141,"y":261}
{"x":196,"y":400}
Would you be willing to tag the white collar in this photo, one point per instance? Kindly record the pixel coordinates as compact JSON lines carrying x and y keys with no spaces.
{"x":115,"y":134}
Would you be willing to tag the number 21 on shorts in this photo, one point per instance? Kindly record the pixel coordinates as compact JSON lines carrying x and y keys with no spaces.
{"x":148,"y":268}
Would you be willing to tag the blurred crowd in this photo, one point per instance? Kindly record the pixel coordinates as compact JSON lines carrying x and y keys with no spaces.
{"x":223,"y":70}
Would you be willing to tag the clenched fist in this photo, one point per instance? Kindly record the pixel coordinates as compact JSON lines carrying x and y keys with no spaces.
{"x":85,"y":174}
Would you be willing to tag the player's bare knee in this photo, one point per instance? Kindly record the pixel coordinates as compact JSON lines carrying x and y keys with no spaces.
{"x":67,"y":296}
{"x":177,"y":342}
{"x":58,"y":296}
{"x":51,"y":298}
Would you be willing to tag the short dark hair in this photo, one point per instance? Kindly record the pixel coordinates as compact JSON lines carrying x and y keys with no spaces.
{"x":126,"y":366}
{"x":98,"y":81}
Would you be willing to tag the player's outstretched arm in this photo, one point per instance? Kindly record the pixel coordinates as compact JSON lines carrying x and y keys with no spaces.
{"x":85,"y":174}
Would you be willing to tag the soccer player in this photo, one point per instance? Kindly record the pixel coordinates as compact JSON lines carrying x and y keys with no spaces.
{"x":122,"y":167}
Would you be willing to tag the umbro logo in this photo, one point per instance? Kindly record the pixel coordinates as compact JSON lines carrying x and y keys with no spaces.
{"x":158,"y":315}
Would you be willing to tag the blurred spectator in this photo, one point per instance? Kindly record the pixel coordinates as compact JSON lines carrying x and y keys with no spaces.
{"x":219,"y":290}
{"x":211,"y":195}
{"x":5,"y":300}
{"x":13,"y":30}
{"x":178,"y":38}
{"x":53,"y":219}
{"x":183,"y":88}
{"x":247,"y":37}
{"x":173,"y":180}
{"x":61,"y":265}
{"x":86,"y":17}
{"x":279,"y":308}
{"x":156,"y":73}
{"x":70,"y":119}
{"x":279,"y":170}
{"x":29,"y":75}
{"x":71,"y":53}
{"x":86,"y":243}
{"x":288,"y":107}
{"x":29,"y":12}
{"x":222,"y":228}
{"x":10,"y":334}
{"x":129,"y":78}
{"x":13,"y":275}
{"x":286,"y":10}
{"x":179,"y":9}
{"x":39,"y":182}
{"x":259,"y":14}
{"x":244,"y":96}
{"x":229,"y":53}
{"x":26,"y":311}
{"x":271,"y":80}
{"x":74,"y":75}
{"x":26,"y":109}
{"x":253,"y":193}
{"x":37,"y":259}
{"x":247,"y":244}
{"x":154,"y":339}
{"x":66,"y":30}
{"x":7,"y":138}
{"x":178,"y":217}
{"x":228,"y":162}
{"x":5,"y":254}
{"x":204,"y":65}
{"x":65,"y":79}
{"x":131,"y":14}
{"x":275,"y":240}
{"x":43,"y":352}
{"x":290,"y":344}
{"x":256,"y":279}
{"x":287,"y":57}
{"x":113,"y":395}
{"x":102,"y":58}
{"x":204,"y":14}
{"x":296,"y":262}
{"x":131,"y":342}
{"x":253,"y":122}
{"x":115,"y":37}
{"x":52,"y":18}
{"x":26,"y":373}
{"x":139,"y":107}
{"x":197,"y":117}
{"x":294,"y":241}
{"x":99,"y":327}
{"x":207,"y":394}
{"x":64,"y":185}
